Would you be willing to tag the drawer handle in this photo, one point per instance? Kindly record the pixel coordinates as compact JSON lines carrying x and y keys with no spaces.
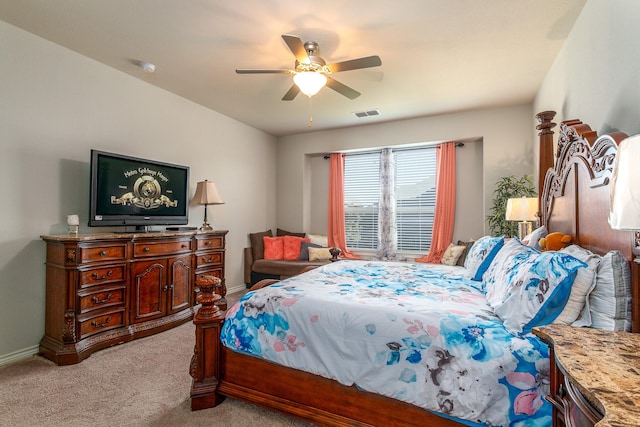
{"x":146,"y":249}
{"x":101,"y":325}
{"x":96,"y":277}
{"x":103,"y":253}
{"x":97,"y":300}
{"x":207,"y":260}
{"x":166,"y":288}
{"x":208,"y":243}
{"x":183,"y":246}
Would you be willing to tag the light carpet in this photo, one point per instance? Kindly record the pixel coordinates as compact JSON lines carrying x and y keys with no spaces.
{"x":144,"y":382}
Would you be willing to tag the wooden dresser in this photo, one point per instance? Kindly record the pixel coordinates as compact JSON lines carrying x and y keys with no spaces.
{"x":594,"y":376}
{"x":106,"y":289}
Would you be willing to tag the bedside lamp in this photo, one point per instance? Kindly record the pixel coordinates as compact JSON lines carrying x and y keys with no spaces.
{"x":207,"y":194}
{"x":624,"y":203}
{"x":522,"y":209}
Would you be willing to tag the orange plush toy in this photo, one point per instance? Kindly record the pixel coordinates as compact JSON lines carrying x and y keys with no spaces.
{"x":554,"y":241}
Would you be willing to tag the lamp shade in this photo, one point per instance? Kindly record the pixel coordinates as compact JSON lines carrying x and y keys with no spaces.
{"x":309,"y":82}
{"x":624,"y":204}
{"x":521,"y":209}
{"x":207,"y":194}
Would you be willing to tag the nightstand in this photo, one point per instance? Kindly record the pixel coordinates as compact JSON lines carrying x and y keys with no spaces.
{"x":594,"y":376}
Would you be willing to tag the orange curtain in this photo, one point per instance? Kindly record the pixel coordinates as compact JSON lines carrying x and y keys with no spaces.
{"x":444,"y":218}
{"x":336,"y":228}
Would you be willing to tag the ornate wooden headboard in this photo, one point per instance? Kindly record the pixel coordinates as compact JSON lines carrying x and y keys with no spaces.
{"x":575,"y":196}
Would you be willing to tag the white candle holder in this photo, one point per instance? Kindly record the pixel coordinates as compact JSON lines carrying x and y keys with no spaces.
{"x":73,"y":221}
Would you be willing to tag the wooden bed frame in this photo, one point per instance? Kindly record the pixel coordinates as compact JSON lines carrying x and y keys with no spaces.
{"x":574,"y":201}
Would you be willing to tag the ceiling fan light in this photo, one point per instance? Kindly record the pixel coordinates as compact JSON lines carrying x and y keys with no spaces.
{"x":310,"y":82}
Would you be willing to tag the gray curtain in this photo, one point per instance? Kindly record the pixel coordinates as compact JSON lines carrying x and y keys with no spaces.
{"x":387,"y":229}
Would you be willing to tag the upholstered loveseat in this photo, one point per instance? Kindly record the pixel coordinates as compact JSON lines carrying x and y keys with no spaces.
{"x":258,"y":267}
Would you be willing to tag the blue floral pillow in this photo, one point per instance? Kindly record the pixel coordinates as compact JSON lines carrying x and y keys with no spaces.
{"x":481,"y":254}
{"x":528,"y":288}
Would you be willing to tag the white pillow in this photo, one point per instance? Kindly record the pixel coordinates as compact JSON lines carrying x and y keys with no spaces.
{"x":528,"y":288}
{"x":535,"y":236}
{"x":576,"y":312}
{"x":318,"y":239}
{"x":451,"y":255}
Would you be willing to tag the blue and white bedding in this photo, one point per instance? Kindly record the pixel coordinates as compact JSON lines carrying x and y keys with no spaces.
{"x":420,"y":333}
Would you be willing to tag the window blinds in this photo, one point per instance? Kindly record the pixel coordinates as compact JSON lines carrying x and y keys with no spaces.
{"x":361,"y":196}
{"x":415,"y":198}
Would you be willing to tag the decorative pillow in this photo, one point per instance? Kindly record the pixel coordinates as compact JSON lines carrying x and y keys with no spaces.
{"x":535,"y":236}
{"x":452,"y":253}
{"x":257,"y":244}
{"x":273,"y":247}
{"x":574,"y":312}
{"x":280,"y":233}
{"x":319,"y":239}
{"x":319,"y":254}
{"x":582,"y":286}
{"x":610,"y":300}
{"x":481,"y":254}
{"x":463,"y":255}
{"x":292,"y":247}
{"x":527,"y":288}
{"x":304,"y":250}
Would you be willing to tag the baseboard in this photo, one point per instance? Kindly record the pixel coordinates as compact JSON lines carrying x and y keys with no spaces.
{"x":236,"y":288}
{"x":18,"y":355}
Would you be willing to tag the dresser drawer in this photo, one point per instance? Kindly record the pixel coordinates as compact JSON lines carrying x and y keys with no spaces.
{"x":106,"y":297}
{"x":103,"y":253}
{"x":102,"y":276}
{"x":216,"y":242}
{"x":102,"y":322}
{"x":150,"y":248}
{"x":214,"y":258}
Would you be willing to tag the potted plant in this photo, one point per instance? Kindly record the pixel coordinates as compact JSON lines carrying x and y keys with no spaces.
{"x":508,"y":187}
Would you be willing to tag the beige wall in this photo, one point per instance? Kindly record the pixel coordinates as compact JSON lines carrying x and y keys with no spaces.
{"x":55,"y":106}
{"x":596,"y":76}
{"x":506,"y":148}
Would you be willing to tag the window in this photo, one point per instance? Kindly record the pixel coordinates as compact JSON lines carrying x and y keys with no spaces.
{"x":361,"y":196}
{"x":415,"y":189}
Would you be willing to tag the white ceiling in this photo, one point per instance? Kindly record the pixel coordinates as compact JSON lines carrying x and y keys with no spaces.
{"x":438,"y":56}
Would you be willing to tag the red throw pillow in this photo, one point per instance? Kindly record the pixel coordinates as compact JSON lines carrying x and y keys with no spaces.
{"x":292,"y":247}
{"x":273,"y":247}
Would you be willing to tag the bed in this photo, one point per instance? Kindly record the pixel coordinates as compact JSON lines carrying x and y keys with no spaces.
{"x":417,"y":329}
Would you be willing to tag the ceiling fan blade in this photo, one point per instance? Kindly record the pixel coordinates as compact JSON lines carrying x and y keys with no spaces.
{"x":292,"y":93}
{"x":262,"y":71}
{"x":297,"y":47}
{"x":342,"y":88}
{"x":355,"y":64}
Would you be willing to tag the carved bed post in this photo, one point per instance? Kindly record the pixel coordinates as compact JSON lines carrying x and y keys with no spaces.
{"x":546,"y":153}
{"x":205,"y":365}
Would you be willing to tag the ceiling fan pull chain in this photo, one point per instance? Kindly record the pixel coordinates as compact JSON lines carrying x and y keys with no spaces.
{"x":310,"y":113}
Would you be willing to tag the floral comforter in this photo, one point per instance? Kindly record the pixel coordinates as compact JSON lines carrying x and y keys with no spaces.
{"x":420,"y":333}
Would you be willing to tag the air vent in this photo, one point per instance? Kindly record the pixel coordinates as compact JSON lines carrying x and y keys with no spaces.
{"x":368,"y":113}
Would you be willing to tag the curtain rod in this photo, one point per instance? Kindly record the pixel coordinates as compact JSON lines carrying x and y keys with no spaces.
{"x":458,"y":144}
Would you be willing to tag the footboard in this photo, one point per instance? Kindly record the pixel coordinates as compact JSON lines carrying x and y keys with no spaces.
{"x":206,"y":363}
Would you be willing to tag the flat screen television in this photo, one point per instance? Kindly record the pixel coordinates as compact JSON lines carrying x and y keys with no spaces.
{"x":130,"y":191}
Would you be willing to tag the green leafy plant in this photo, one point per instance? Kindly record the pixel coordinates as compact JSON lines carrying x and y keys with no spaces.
{"x":507,"y":188}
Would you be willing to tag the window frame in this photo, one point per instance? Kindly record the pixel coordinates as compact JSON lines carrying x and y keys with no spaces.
{"x":398,"y":152}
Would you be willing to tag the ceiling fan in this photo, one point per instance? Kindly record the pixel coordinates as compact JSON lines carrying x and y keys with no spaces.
{"x":311,"y":72}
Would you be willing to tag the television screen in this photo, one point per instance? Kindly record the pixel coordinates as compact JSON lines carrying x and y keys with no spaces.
{"x":127,"y":190}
